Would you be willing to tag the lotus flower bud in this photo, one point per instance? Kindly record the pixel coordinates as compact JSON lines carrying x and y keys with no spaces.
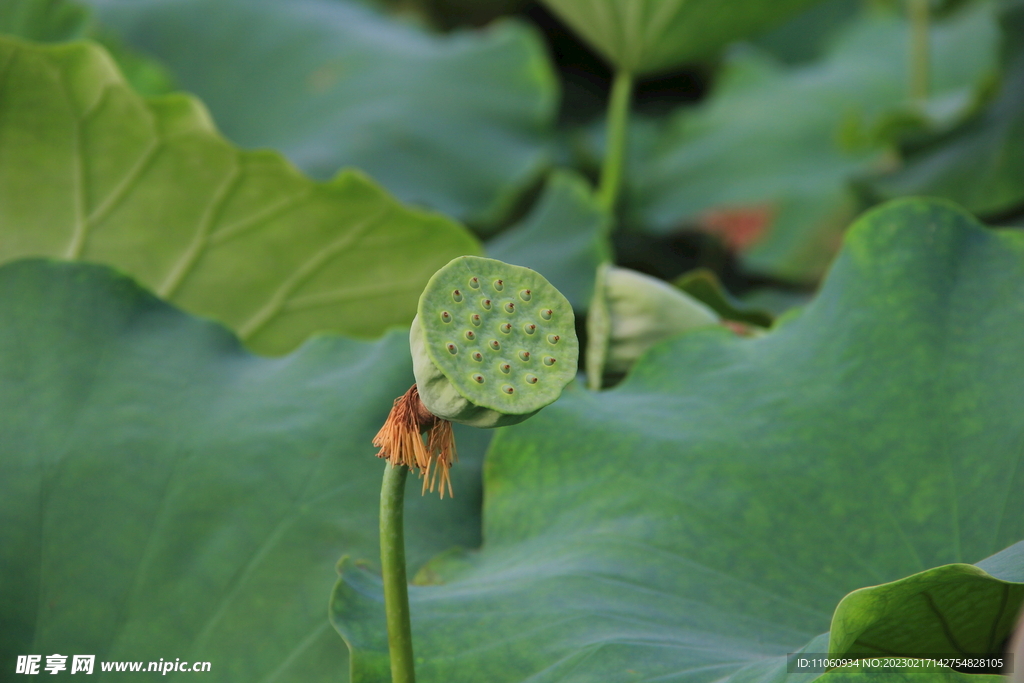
{"x":630,"y":313}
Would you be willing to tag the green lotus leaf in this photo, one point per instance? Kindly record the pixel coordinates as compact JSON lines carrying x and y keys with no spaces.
{"x":764,"y":162}
{"x":455,"y":122}
{"x":953,"y":608}
{"x":93,"y":172}
{"x":645,"y":36}
{"x":705,"y":517}
{"x":165,"y":493}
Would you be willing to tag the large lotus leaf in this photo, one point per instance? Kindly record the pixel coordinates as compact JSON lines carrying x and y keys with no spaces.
{"x":644,"y":36}
{"x":565,"y":237}
{"x":454,"y":122}
{"x":706,"y":516}
{"x":765,"y":161}
{"x":92,"y":171}
{"x":981,"y":164}
{"x":165,"y":493}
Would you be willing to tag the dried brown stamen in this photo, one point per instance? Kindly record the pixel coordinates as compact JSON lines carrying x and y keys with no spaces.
{"x":401,"y":441}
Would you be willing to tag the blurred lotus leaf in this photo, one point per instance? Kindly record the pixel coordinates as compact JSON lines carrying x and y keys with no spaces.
{"x":764,"y":162}
{"x":647,"y":36}
{"x":454,"y":122}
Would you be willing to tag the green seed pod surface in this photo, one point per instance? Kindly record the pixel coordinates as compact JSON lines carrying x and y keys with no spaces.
{"x":492,"y":343}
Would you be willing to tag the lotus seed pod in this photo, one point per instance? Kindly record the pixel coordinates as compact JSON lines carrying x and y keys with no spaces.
{"x":509,"y":368}
{"x":630,"y":313}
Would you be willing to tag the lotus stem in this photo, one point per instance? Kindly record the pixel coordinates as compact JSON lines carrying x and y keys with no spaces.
{"x":401,"y":444}
{"x":615,"y":154}
{"x":392,"y":560}
{"x":920,"y":52}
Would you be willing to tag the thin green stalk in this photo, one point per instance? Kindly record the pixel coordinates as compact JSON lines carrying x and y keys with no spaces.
{"x":615,"y":155}
{"x":392,"y":561}
{"x":920,"y":52}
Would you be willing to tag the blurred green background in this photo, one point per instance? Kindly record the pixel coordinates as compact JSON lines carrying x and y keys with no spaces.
{"x":216,"y":217}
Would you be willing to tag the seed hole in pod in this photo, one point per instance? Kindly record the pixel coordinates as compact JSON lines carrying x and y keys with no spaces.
{"x":524,"y":355}
{"x":452,"y":348}
{"x":508,"y":389}
{"x":531,"y":379}
{"x":553,"y":338}
{"x":499,"y":285}
{"x":478,"y":378}
{"x":457,"y":295}
{"x":495,"y":345}
{"x":477,"y":356}
{"x":529,"y":328}
{"x":486,"y":304}
{"x":505,"y":367}
{"x":546,"y":313}
{"x":526,"y":295}
{"x":548,"y":360}
{"x":506,"y":328}
{"x":474,"y":283}
{"x":470,"y":335}
{"x":510,"y":307}
{"x":446,"y":317}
